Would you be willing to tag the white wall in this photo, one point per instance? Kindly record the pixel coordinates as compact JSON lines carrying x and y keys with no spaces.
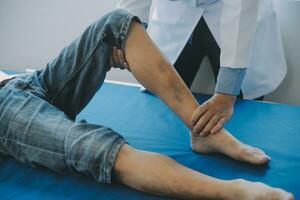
{"x":32,"y":32}
{"x":289,"y":17}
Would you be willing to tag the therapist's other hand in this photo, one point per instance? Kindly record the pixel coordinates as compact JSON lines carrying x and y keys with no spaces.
{"x":117,"y":59}
{"x":210,"y":117}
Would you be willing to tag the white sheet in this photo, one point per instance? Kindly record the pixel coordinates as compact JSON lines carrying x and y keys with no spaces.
{"x":4,"y":76}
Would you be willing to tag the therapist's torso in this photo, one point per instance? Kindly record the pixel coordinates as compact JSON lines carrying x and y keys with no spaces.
{"x":172,"y":22}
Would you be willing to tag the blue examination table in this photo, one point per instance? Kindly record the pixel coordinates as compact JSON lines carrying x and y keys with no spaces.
{"x":150,"y":125}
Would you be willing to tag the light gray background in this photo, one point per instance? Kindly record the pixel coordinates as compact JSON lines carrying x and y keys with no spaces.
{"x":33,"y":32}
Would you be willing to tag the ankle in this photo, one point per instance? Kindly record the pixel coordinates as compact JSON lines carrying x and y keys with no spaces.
{"x":233,"y":189}
{"x":224,"y":190}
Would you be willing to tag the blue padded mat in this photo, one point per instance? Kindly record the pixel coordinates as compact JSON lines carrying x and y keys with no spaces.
{"x":149,"y":125}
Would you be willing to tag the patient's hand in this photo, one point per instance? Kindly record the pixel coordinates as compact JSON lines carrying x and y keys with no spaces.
{"x":117,"y":59}
{"x":212,"y":114}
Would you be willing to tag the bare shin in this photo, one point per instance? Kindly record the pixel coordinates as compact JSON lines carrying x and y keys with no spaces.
{"x":157,"y":74}
{"x":158,"y":174}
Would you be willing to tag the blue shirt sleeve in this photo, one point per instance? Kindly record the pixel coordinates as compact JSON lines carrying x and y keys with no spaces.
{"x":230,"y":80}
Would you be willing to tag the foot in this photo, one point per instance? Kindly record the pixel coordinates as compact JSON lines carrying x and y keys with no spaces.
{"x":241,"y":189}
{"x":223,"y":142}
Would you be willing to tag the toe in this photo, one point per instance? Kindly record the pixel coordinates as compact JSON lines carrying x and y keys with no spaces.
{"x":289,"y":197}
{"x":263,"y":158}
{"x":260,"y":157}
{"x":283,"y":195}
{"x":255,"y":156}
{"x":258,"y":151}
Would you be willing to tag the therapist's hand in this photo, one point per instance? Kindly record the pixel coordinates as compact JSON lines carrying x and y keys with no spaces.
{"x":117,"y":59}
{"x":210,"y":117}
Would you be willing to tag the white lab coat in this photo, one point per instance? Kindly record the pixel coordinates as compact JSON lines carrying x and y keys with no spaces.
{"x":246,"y":31}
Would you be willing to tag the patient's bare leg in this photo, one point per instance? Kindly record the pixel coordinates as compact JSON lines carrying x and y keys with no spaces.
{"x":156,"y":73}
{"x":158,"y":174}
{"x":225,"y":143}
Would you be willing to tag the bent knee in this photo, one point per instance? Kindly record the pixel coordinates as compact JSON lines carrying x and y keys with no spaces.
{"x":115,"y":26}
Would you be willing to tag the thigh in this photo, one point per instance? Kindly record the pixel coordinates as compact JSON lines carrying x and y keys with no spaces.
{"x":213,"y":50}
{"x":38,"y":134}
{"x":31,"y":129}
{"x":74,"y":76}
{"x":188,"y":64}
{"x":210,"y":47}
{"x":189,"y":60}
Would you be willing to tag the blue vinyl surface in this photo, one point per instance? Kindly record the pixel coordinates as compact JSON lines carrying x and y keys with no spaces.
{"x":149,"y":125}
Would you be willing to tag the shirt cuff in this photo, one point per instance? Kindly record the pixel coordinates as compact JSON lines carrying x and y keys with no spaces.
{"x":230,"y":80}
